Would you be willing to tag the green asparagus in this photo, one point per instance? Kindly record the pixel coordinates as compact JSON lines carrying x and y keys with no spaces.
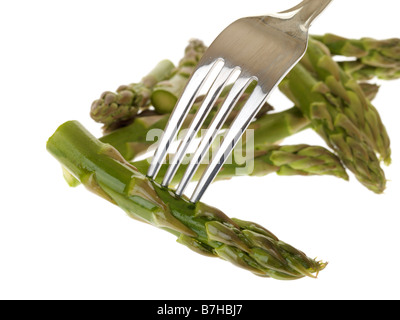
{"x":347,"y":96}
{"x":118,"y":109}
{"x":303,"y":160}
{"x":327,"y":98}
{"x":202,"y":228}
{"x":372,"y":58}
{"x":334,"y":126}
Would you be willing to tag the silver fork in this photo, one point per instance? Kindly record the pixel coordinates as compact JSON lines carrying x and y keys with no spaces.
{"x":262,"y":49}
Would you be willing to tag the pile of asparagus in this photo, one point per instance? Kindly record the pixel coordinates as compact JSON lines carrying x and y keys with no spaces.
{"x":331,"y":97}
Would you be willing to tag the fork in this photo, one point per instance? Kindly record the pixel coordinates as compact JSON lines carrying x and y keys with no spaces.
{"x":262,"y":49}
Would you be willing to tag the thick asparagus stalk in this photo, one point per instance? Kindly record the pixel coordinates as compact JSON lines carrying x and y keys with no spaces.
{"x":301,"y":160}
{"x":347,"y":95}
{"x":203,"y":229}
{"x":373,"y":58}
{"x":334,"y":126}
{"x":118,"y":109}
{"x":166,"y":93}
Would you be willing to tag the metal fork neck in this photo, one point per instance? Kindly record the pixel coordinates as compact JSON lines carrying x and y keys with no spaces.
{"x":308,"y":10}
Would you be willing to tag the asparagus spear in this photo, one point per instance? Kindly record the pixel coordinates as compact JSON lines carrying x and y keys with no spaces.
{"x":118,"y":109}
{"x":373,"y":58}
{"x":334,"y":126}
{"x":363,"y":72}
{"x":301,"y":160}
{"x":347,"y":95}
{"x":269,"y":129}
{"x":202,"y":228}
{"x":364,"y":47}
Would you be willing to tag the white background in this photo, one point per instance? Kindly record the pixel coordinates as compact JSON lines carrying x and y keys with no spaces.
{"x":56,"y":242}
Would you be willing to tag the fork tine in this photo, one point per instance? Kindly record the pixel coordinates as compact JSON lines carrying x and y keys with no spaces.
{"x":179,"y":114}
{"x":220,"y":82}
{"x":234,"y":94}
{"x":242,"y":121}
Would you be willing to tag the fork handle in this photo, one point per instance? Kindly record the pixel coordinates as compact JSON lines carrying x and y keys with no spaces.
{"x":308,"y":10}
